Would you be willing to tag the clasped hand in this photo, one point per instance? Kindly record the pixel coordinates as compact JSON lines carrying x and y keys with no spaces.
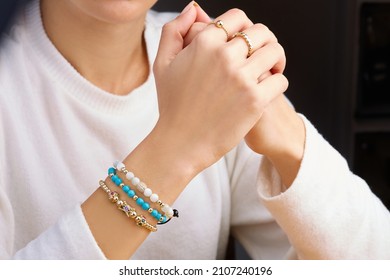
{"x":214,"y":87}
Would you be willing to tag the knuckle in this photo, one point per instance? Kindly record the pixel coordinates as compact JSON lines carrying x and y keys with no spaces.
{"x":168,"y":27}
{"x":261,"y":27}
{"x":277,"y":49}
{"x":238,"y":12}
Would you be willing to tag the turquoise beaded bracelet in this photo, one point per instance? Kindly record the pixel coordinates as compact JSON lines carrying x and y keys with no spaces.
{"x":132,"y":194}
{"x":147,"y":192}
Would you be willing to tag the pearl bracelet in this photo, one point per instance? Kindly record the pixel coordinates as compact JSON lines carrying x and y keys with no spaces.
{"x":126,"y":208}
{"x":147,"y":192}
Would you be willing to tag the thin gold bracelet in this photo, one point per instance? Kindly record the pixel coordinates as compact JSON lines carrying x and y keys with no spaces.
{"x":126,"y":208}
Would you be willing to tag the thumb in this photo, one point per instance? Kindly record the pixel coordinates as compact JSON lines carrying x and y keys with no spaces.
{"x":173,"y":33}
{"x":202,"y":15}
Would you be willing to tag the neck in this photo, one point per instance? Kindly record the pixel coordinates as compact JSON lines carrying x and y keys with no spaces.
{"x":111,"y":56}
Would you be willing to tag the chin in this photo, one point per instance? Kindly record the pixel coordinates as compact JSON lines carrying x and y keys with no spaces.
{"x":114,"y":11}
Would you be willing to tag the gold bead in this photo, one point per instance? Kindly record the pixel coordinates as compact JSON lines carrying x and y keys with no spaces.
{"x":133,"y":214}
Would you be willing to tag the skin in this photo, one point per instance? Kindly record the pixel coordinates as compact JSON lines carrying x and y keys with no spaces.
{"x":242,"y":100}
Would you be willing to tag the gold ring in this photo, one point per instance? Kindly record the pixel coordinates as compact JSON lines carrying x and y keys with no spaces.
{"x":219,"y":24}
{"x":247,"y":41}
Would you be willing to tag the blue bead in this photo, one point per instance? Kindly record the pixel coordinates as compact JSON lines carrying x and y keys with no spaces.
{"x":113,"y":178}
{"x":145,"y":206}
{"x":117,"y":181}
{"x":165,"y":219}
{"x":131,"y":193}
{"x":140,"y":201}
{"x":126,"y":189}
{"x":154,"y":213}
{"x":111,"y":170}
{"x":158,"y":216}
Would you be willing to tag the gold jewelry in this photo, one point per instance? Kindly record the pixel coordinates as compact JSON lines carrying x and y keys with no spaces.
{"x":219,"y":24}
{"x":126,"y":208}
{"x":247,"y":41}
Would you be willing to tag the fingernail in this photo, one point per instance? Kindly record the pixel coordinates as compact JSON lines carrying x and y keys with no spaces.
{"x":188,"y":7}
{"x":195,"y":4}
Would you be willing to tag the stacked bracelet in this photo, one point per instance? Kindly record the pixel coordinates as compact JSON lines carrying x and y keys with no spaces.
{"x":126,"y":208}
{"x":132,"y":194}
{"x":147,"y":192}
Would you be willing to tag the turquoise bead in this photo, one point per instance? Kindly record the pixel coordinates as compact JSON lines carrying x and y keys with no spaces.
{"x":113,"y":178}
{"x":126,"y":189}
{"x":158,"y":217}
{"x":117,"y":181}
{"x":140,"y":201}
{"x":154,"y":213}
{"x":131,"y":193}
{"x":111,"y":170}
{"x":145,"y":206}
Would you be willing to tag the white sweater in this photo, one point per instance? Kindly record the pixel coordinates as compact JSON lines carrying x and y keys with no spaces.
{"x":59,"y":133}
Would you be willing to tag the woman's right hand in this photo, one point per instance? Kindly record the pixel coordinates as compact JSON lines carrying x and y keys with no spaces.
{"x":209,"y":92}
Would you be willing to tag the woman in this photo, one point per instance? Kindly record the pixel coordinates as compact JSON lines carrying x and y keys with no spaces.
{"x":221,"y":144}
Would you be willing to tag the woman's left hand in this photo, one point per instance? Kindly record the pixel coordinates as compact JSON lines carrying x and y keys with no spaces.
{"x":280,"y":132}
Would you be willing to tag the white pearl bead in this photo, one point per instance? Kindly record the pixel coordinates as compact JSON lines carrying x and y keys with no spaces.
{"x":148,"y":192}
{"x":120,"y":165}
{"x":154,"y":197}
{"x":129,"y":175}
{"x":115,"y":164}
{"x":166,"y":208}
{"x":170,"y":213}
{"x":135,"y":181}
{"x":141,"y":187}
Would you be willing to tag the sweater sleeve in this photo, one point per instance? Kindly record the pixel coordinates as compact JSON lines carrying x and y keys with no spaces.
{"x":251,"y":223}
{"x":328,"y":212}
{"x":70,"y":238}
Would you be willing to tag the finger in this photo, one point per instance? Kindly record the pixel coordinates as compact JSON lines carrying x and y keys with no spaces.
{"x":252,"y":39}
{"x":264,"y":76}
{"x":269,"y":58}
{"x":195,"y":29}
{"x":233,"y":21}
{"x":173,"y":33}
{"x":271,"y":87}
{"x":202,"y":16}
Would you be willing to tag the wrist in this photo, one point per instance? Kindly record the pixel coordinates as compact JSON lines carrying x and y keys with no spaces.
{"x":287,"y":153}
{"x":162,"y":164}
{"x":290,"y":140}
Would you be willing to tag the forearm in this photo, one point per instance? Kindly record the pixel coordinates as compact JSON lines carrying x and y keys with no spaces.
{"x":287,"y":159}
